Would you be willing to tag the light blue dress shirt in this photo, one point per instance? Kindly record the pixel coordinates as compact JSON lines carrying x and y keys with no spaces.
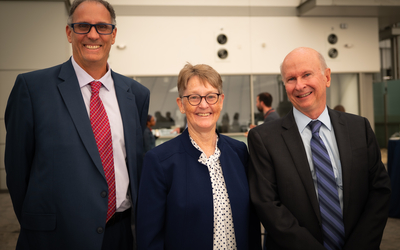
{"x":327,"y":135}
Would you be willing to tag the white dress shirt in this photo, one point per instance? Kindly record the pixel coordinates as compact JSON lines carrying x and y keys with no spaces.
{"x":110,"y":102}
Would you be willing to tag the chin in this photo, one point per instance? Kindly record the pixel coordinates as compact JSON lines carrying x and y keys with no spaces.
{"x":205,"y":127}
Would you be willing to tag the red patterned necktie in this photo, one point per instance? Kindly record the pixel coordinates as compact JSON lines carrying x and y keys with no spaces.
{"x":102,"y":134}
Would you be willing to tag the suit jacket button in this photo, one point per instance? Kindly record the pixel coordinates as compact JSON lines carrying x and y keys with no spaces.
{"x":100,"y":230}
{"x":103,"y":194}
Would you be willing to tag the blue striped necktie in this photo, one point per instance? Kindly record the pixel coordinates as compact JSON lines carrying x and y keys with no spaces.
{"x":329,"y":204}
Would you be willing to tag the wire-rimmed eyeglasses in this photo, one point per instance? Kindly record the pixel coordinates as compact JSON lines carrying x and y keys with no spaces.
{"x":84,"y":28}
{"x":196,"y":99}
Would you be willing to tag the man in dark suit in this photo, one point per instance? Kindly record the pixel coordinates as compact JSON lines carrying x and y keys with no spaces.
{"x":62,"y":196}
{"x":284,"y":177}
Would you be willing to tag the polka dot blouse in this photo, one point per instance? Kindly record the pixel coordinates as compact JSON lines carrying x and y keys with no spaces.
{"x":224,"y":233}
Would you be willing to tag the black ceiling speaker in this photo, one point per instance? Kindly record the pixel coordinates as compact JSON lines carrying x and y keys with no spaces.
{"x":222,"y":39}
{"x":333,"y":53}
{"x":332,"y":39}
{"x":222,"y":53}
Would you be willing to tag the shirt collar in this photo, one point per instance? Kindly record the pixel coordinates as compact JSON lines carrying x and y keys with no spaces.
{"x":302,"y":120}
{"x":203,"y":157}
{"x":84,"y":78}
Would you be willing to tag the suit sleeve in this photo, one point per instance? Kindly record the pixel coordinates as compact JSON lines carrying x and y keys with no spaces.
{"x":281,"y":225}
{"x":20,"y":141}
{"x":151,"y":205}
{"x":145,"y":110}
{"x":368,"y":232}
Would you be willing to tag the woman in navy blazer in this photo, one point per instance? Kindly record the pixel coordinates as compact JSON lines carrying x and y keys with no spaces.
{"x":193,"y":191}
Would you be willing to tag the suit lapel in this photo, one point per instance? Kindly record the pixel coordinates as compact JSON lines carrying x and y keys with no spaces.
{"x":344,"y":146}
{"x":72,"y":96}
{"x":296,"y":149}
{"x":232,"y":175}
{"x":130,"y":120}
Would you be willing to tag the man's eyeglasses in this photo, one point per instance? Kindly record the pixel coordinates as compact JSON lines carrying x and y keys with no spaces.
{"x":195,"y":99}
{"x":84,"y":28}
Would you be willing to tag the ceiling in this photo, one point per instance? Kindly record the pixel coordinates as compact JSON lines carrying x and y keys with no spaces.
{"x":387,"y":11}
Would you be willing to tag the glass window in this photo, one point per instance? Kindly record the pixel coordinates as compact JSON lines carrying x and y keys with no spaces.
{"x":344,"y":91}
{"x":235,"y":115}
{"x":163,"y":94}
{"x":272,"y":84}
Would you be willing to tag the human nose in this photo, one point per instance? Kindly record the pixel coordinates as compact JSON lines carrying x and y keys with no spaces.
{"x":300,"y":84}
{"x":93,"y":34}
{"x":203,"y":103}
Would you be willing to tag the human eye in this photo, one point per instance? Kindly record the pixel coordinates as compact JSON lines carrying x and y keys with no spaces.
{"x":290,"y":79}
{"x":103,"y":27}
{"x":83,"y":26}
{"x":211,"y":97}
{"x":194,"y":98}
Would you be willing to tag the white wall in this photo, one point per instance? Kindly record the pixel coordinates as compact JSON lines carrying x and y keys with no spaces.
{"x":33,"y":38}
{"x":256,"y":45}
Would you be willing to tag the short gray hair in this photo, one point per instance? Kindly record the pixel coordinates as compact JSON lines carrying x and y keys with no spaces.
{"x":106,"y":4}
{"x":204,"y":72}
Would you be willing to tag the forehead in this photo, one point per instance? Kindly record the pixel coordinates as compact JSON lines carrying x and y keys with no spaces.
{"x":195,"y":84}
{"x":298,"y":64}
{"x":92,"y":12}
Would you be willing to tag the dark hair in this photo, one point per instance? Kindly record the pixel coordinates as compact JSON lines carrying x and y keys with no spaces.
{"x":204,"y":72}
{"x":149,"y":118}
{"x":266,"y":98}
{"x":339,"y":108}
{"x":106,"y":4}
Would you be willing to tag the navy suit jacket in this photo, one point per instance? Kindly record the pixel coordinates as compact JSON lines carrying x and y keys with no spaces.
{"x":54,"y":172}
{"x":283,"y":191}
{"x":175,"y":205}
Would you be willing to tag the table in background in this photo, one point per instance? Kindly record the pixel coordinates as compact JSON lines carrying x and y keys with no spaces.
{"x":393,"y":165}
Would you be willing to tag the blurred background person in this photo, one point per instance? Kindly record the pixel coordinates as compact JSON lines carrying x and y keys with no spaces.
{"x":264,"y":105}
{"x":235,"y":124}
{"x":225,"y":123}
{"x":194,"y":192}
{"x":160,"y":120}
{"x":148,"y":136}
{"x":339,"y":108}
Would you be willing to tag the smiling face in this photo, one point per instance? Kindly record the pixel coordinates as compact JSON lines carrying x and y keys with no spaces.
{"x":91,"y":50}
{"x":305,"y":81}
{"x":203,"y":117}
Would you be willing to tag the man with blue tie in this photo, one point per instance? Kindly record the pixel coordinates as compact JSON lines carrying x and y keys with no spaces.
{"x":74,"y":143}
{"x":316,"y":176}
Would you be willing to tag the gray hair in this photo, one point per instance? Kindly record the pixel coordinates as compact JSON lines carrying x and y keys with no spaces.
{"x":205,"y":73}
{"x":106,"y":4}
